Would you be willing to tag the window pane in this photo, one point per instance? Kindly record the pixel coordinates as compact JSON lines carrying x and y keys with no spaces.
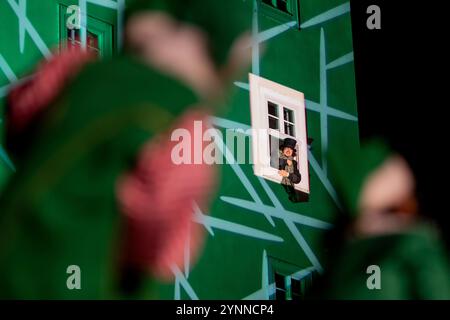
{"x":289,"y":129}
{"x":74,"y":40}
{"x":92,"y":41}
{"x":283,"y":5}
{"x":73,"y":37}
{"x":273,"y":123}
{"x":272,"y":108}
{"x":279,"y":281}
{"x":274,"y":145}
{"x":288,"y":115}
{"x":295,"y":286}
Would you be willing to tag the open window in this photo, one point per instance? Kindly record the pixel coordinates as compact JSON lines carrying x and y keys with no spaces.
{"x":277,"y":113}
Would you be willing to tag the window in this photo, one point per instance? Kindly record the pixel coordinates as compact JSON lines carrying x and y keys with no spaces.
{"x":281,"y":10}
{"x":289,"y":281}
{"x":287,"y":119}
{"x":98,"y":36}
{"x":278,"y":112}
{"x":282,"y":5}
{"x":286,"y":129}
{"x":274,"y":144}
{"x":273,"y":115}
{"x":280,"y":287}
{"x":292,"y":287}
{"x":92,"y":40}
{"x":288,"y":116}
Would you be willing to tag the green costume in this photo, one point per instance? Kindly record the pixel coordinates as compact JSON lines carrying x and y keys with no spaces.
{"x":413,"y":263}
{"x":60,"y":208}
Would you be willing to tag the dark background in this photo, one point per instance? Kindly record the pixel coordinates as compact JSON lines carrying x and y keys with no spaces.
{"x":401,"y":89}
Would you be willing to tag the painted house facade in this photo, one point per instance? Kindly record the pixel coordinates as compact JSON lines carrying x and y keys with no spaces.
{"x":260,"y":245}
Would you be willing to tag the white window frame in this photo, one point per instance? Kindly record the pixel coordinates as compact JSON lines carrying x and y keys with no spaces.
{"x":262,"y":91}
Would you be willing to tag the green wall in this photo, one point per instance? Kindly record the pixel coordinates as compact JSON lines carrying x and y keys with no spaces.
{"x":316,"y":59}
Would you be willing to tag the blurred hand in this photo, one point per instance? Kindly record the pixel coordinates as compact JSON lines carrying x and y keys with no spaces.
{"x":283,"y":173}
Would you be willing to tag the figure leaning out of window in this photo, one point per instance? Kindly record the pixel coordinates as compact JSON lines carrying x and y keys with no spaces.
{"x":288,"y":167}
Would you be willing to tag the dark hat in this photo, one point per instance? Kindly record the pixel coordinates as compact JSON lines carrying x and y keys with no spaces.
{"x":288,"y":143}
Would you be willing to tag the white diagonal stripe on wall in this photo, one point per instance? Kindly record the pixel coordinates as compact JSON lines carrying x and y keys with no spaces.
{"x":40,"y":44}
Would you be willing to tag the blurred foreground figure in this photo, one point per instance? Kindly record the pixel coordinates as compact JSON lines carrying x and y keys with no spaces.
{"x":96,"y":186}
{"x":388,"y":251}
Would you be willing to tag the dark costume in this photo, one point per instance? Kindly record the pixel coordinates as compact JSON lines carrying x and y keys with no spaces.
{"x":294,"y":174}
